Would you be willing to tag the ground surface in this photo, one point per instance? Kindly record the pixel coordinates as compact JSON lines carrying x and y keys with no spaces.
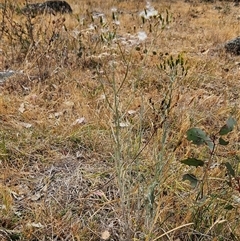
{"x":93,"y":126}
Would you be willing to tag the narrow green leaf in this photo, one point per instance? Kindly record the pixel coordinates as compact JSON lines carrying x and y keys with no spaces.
{"x":177,"y":61}
{"x":113,"y":16}
{"x":223,"y":142}
{"x":229,"y":207}
{"x":193,"y":162}
{"x":191,"y":178}
{"x":230,"y":169}
{"x":167,"y":17}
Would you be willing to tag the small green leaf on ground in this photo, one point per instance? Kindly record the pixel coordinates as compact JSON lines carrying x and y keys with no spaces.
{"x":228,"y":127}
{"x":193,"y":162}
{"x":191,"y":178}
{"x":223,"y":142}
{"x":229,"y":207}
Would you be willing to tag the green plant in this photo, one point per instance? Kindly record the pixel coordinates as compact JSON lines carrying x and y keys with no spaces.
{"x":207,"y":206}
{"x":140,"y":189}
{"x":199,"y":137}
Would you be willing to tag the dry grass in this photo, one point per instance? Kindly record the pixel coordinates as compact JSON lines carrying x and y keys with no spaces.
{"x":89,"y":147}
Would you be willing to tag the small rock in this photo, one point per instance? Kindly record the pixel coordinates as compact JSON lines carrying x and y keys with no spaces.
{"x":233,"y":46}
{"x":52,"y":7}
{"x":6,"y":74}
